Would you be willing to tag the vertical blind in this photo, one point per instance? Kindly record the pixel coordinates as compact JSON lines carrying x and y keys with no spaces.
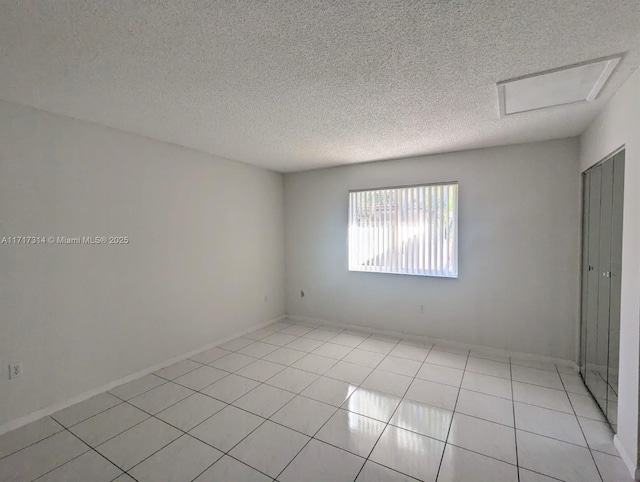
{"x":406,"y":230}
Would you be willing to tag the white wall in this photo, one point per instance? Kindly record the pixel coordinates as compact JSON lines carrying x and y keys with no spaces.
{"x":206,"y":246}
{"x":519,"y":225}
{"x":616,"y":126}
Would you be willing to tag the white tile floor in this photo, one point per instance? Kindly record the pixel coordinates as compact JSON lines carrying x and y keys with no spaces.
{"x":303,"y":402}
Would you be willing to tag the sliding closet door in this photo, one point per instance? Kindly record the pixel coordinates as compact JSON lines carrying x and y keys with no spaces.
{"x":603,"y":193}
{"x":586,"y":184}
{"x":615,"y":286}
{"x":593,"y":279}
{"x":599,"y":386}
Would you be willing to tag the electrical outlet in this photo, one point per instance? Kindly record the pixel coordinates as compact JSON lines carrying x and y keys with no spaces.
{"x":15,"y":370}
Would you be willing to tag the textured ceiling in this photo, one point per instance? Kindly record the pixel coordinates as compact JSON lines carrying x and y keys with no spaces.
{"x":294,"y":85}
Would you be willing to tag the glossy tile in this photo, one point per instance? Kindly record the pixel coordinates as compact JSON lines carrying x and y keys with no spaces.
{"x":550,"y":423}
{"x":304,"y":344}
{"x":440,"y":374}
{"x":536,"y":376}
{"x":319,"y":461}
{"x":534,"y":364}
{"x":378,"y":346}
{"x":83,"y":410}
{"x":352,"y":432}
{"x":230,"y":388}
{"x":321,"y":334}
{"x":450,"y":349}
{"x":183,"y":459}
{"x":409,"y":453}
{"x":460,"y":465}
{"x":285,"y":356}
{"x":446,"y":359}
{"x":585,"y":406}
{"x":296,"y":330}
{"x":210,"y":355}
{"x":332,"y":350}
{"x":489,"y":367}
{"x":612,"y":468}
{"x":292,"y":379}
{"x":549,"y":457}
{"x":372,"y":472}
{"x":177,"y":369}
{"x":315,"y":363}
{"x":264,"y":400}
{"x":231,"y":470}
{"x":365,"y":358}
{"x":160,"y":398}
{"x":232,"y":362}
{"x":258,"y":349}
{"x":573,"y":384}
{"x":304,"y":415}
{"x":41,"y":457}
{"x":328,"y":390}
{"x":434,"y":394}
{"x":387,"y":382}
{"x":191,"y":411}
{"x":424,"y":419}
{"x":348,"y":372}
{"x":369,"y":403}
{"x":136,"y":444}
{"x":348,"y":340}
{"x":270,"y":448}
{"x":260,"y":334}
{"x":226,"y":428}
{"x":260,"y":370}
{"x":411,"y":352}
{"x":137,"y":387}
{"x":477,"y":382}
{"x":487,"y":355}
{"x":280,"y":339}
{"x":530,"y":476}
{"x":22,"y":437}
{"x":200,"y":377}
{"x":400,"y":366}
{"x":89,"y":466}
{"x":599,"y":436}
{"x":487,"y":438}
{"x":541,"y":397}
{"x":373,"y":395}
{"x":236,"y":344}
{"x":487,"y":407}
{"x":111,"y":422}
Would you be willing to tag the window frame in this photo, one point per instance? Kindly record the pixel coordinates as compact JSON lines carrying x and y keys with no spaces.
{"x":406,"y":186}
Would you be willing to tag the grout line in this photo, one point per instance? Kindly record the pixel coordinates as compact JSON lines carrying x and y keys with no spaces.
{"x":513,"y":408}
{"x":582,"y":430}
{"x":402,"y":398}
{"x":452,"y":417}
{"x":62,"y":429}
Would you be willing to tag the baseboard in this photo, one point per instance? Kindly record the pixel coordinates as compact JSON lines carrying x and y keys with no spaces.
{"x":441,"y":341}
{"x":32,"y":417}
{"x":629,"y":461}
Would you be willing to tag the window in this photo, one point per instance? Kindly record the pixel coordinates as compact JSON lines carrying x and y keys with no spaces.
{"x":405,"y":230}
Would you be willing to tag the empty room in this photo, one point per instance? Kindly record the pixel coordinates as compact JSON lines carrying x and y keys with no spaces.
{"x":309,"y":241}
